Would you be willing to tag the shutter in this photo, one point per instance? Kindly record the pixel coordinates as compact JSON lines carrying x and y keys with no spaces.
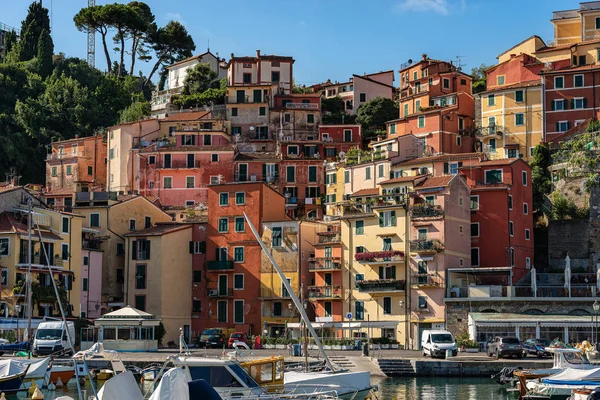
{"x":572,"y":103}
{"x":203,"y":247}
{"x":568,"y":125}
{"x":391,"y":174}
{"x":460,"y":164}
{"x":552,"y":105}
{"x":327,"y":179}
{"x":445,"y":168}
{"x":191,"y":247}
{"x":217,"y":254}
{"x":381,"y":272}
{"x":557,"y":127}
{"x":147,"y":249}
{"x":394,"y":272}
{"x":276,"y":170}
{"x":334,"y":178}
{"x":565,"y":104}
{"x":584,"y":102}
{"x":380,"y":219}
{"x":134,"y":249}
{"x":306,"y":192}
{"x":264,"y":171}
{"x":182,"y":140}
{"x":194,"y":140}
{"x":393,"y":217}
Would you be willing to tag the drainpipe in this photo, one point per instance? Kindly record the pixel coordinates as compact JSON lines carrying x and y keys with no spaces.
{"x":407,"y":293}
{"x":350,"y":247}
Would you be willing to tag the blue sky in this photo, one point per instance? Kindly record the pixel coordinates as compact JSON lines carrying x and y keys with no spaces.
{"x":330,"y":38}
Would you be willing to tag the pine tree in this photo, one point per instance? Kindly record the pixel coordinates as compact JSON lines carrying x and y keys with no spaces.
{"x":44,"y":54}
{"x":37,"y":20}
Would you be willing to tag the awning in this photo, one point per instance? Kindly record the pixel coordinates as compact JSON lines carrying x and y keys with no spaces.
{"x":46,"y":236}
{"x":126,"y":323}
{"x":431,"y":320}
{"x":37,"y":268}
{"x":481,"y":270}
{"x":347,"y":325}
{"x":504,"y":319}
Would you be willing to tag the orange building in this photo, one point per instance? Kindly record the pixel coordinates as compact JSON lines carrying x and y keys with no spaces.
{"x":436,"y":105}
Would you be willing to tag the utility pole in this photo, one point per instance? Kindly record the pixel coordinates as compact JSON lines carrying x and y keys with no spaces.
{"x":29,"y":305}
{"x":91,"y":41}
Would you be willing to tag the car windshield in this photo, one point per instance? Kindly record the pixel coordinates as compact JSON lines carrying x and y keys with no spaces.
{"x":211,"y":332}
{"x":236,"y":335}
{"x":542,"y":342}
{"x":510,"y":340}
{"x":442,"y":338}
{"x":49,"y":334}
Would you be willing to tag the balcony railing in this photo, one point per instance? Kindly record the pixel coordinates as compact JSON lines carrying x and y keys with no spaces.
{"x":302,"y":106}
{"x":426,"y":245}
{"x":499,"y":291}
{"x":328,"y":239}
{"x":91,"y":196}
{"x":427,"y":280}
{"x":566,"y":14}
{"x":324,"y":292}
{"x":65,"y":155}
{"x":255,"y":178}
{"x":220,"y":293}
{"x":177,"y":164}
{"x":41,"y":260}
{"x":220,"y":265}
{"x":324,"y":265}
{"x":379,"y":256}
{"x":426,"y":211}
{"x":491,"y":130}
{"x":381,"y":285}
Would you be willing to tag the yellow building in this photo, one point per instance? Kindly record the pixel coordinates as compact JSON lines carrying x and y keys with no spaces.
{"x":374,"y":233}
{"x":158,"y":275}
{"x":110,"y":221}
{"x":334,"y":187}
{"x":291,"y":250}
{"x":574,"y":26}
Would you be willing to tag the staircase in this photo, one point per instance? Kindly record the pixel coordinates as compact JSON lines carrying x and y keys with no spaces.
{"x":342,"y":362}
{"x":396,"y":367}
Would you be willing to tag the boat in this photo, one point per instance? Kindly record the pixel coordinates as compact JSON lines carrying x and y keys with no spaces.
{"x":38,"y":372}
{"x":103,"y":374}
{"x":136,"y":371}
{"x":12,"y":375}
{"x":64,"y":372}
{"x":150,"y":372}
{"x":561,"y":385}
{"x":121,"y":386}
{"x":13,"y":347}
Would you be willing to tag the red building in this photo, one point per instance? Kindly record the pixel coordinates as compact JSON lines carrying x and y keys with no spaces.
{"x":501,"y":214}
{"x":436,"y":104}
{"x":200,"y":318}
{"x":234,"y":256}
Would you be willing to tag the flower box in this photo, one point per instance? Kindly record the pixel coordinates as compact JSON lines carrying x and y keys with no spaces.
{"x":281,"y":346}
{"x":394,"y":346}
{"x":268,"y":346}
{"x":370,"y":256}
{"x":336,"y":347}
{"x":471,"y":350}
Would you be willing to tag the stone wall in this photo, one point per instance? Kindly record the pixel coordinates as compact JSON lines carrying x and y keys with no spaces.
{"x":568,"y":236}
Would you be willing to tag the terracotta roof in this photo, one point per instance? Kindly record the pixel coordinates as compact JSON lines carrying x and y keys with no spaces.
{"x":567,"y":46}
{"x":158,"y":229}
{"x":59,"y":192}
{"x":531,"y":83}
{"x":8,"y":223}
{"x":577,"y":129}
{"x":126,"y":197}
{"x":402,"y":179}
{"x":436,"y":181}
{"x":366,"y":192}
{"x":367,"y":78}
{"x":192,"y":58}
{"x":441,"y":157}
{"x":185,"y":116}
{"x":256,"y":156}
{"x":520,"y":43}
{"x":501,"y":161}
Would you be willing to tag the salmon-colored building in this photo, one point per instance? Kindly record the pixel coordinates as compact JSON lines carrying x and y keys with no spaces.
{"x":74,"y":165}
{"x":436,"y":105}
{"x":197,"y":248}
{"x":233,"y":255}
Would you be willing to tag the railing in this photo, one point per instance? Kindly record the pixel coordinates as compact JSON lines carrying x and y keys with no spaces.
{"x":254,"y":178}
{"x":426,"y":245}
{"x":381,"y":285}
{"x":379,"y":256}
{"x":92,"y":196}
{"x":220,"y":293}
{"x":41,"y":260}
{"x":426,"y":211}
{"x":566,"y":14}
{"x":302,"y":106}
{"x":324,"y":292}
{"x":65,"y":155}
{"x":175,"y":164}
{"x":220,"y":265}
{"x":247,"y":100}
{"x":325,"y":239}
{"x":328,"y":265}
{"x":490,"y":130}
{"x":499,"y":291}
{"x":291,"y":200}
{"x":427,"y":280}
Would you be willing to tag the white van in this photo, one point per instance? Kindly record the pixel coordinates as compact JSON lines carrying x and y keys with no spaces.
{"x":51,"y":337}
{"x":435,"y":343}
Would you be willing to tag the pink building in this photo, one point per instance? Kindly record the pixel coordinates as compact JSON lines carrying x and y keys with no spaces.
{"x":200,"y":316}
{"x":91,"y":278}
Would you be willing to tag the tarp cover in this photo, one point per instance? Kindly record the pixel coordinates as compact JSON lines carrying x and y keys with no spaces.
{"x":119,"y":387}
{"x":573,"y":376}
{"x":37,"y":369}
{"x":173,"y":386}
{"x":11,"y":367}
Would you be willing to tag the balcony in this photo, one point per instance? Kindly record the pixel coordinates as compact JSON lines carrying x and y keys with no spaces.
{"x":302,"y":106}
{"x":219,"y":265}
{"x":483,"y":292}
{"x":492,"y":130}
{"x":41,"y":260}
{"x":384,"y":256}
{"x":324,"y":292}
{"x":66,"y":155}
{"x":426,"y":281}
{"x":329,"y":237}
{"x":176,"y":164}
{"x":426,"y":246}
{"x":247,"y":100}
{"x":84,"y":197}
{"x":255,"y":178}
{"x":426,"y":211}
{"x":220,"y":293}
{"x":324,"y":264}
{"x":566,"y":14}
{"x":381,"y":285}
{"x":291,"y":201}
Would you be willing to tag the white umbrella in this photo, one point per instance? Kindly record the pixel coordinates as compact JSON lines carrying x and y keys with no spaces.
{"x":598,"y":278}
{"x":568,"y":274}
{"x":534,"y":282}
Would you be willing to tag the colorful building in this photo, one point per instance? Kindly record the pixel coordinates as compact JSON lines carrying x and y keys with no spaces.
{"x":574,"y":26}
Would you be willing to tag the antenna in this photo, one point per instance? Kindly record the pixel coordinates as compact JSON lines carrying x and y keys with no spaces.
{"x":91,"y":40}
{"x":459,"y":63}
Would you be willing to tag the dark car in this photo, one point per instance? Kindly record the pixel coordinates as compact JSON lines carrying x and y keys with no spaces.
{"x":503,"y":346}
{"x":212,"y":338}
{"x":537,"y":347}
{"x":237,"y":337}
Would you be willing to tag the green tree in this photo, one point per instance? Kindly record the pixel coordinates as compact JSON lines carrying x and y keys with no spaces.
{"x":374,"y":114}
{"x":540,"y":175}
{"x":10,"y":40}
{"x":125,"y":20}
{"x":35,"y":23}
{"x":135,"y":112}
{"x":44,"y":55}
{"x":301,"y":89}
{"x":479,"y":78}
{"x":580,"y":154}
{"x":140,"y":37}
{"x":210,"y":96}
{"x":171,"y":43}
{"x":98,"y":19}
{"x":199,"y":79}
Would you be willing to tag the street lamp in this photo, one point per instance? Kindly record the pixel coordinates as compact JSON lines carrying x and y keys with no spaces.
{"x":596,"y":307}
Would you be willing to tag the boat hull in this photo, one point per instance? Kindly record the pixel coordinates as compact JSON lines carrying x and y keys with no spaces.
{"x":347,"y":385}
{"x":11,"y":384}
{"x":64,"y":375}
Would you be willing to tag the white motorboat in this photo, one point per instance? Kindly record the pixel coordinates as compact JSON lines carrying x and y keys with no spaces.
{"x":347,"y":385}
{"x":38,"y":372}
{"x":562,"y":384}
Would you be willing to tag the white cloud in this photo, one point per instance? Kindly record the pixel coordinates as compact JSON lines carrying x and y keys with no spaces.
{"x":437,"y":6}
{"x":175,"y":17}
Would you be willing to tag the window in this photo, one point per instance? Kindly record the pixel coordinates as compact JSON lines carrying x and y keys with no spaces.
{"x":5,"y":246}
{"x":430,"y":200}
{"x":421,"y":123}
{"x":167,"y":182}
{"x":380,"y":171}
{"x":346,"y":176}
{"x":238,"y":311}
{"x":274,"y":76}
{"x":519,"y":96}
{"x":54,"y":173}
{"x":559,"y":82}
{"x":422,"y":303}
{"x":327,"y":309}
{"x":511,"y":153}
{"x":458,"y":140}
{"x":363,"y":97}
{"x":147,"y":222}
{"x":310,"y":118}
{"x":491,"y":100}
{"x":500,"y":80}
{"x":223,"y":222}
{"x":65,"y":225}
{"x":284,"y":291}
{"x":90,"y":170}
{"x":189,"y":182}
{"x":132,"y":224}
{"x":510,"y":202}
{"x":69,"y":170}
{"x":140,"y":276}
{"x":238,"y":281}
{"x":348,"y":135}
{"x":524,"y":178}
{"x":387,"y":305}
{"x":120,"y":249}
{"x":277,"y":309}
{"x":198,"y":247}
{"x":558,"y":104}
{"x":446,"y":83}
{"x":405,"y":110}
{"x":475,"y":229}
{"x":111,"y":153}
{"x":359,"y":311}
{"x":291,"y":173}
{"x":140,"y":249}
{"x":415,"y":75}
{"x":330,"y":178}
{"x":276,"y":237}
{"x":239,"y":224}
{"x":597,"y":22}
{"x":262,"y":111}
{"x":312,"y":174}
{"x":223,"y":199}
{"x":578,"y":81}
{"x":214,"y":157}
{"x":65,"y":251}
{"x":240,"y":198}
{"x":234,"y":112}
{"x":474,"y":202}
{"x":519,"y":119}
{"x":417,"y":109}
{"x":475,"y":256}
{"x":238,"y":254}
{"x":222,"y":311}
{"x":511,"y":228}
{"x":493,"y":176}
{"x":360,"y":227}
{"x":140,"y":302}
{"x":196,"y":306}
{"x":527,"y":234}
{"x":460,"y":229}
{"x":387,"y":218}
{"x":562,"y":126}
{"x":579,"y":103}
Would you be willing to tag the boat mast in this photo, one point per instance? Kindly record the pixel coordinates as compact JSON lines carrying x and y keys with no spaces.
{"x":292,"y":294}
{"x":29,"y":305}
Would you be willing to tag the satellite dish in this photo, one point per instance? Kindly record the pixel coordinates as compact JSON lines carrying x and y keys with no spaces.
{"x":251,"y":128}
{"x":410,"y":60}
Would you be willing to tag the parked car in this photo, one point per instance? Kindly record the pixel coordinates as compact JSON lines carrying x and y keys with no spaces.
{"x":435,"y":343}
{"x":213,"y":337}
{"x":537,"y":347}
{"x":502,"y":346}
{"x":238,"y":337}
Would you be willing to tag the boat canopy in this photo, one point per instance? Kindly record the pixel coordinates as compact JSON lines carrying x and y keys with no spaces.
{"x":121,"y":386}
{"x":173,"y":385}
{"x":11,"y":367}
{"x":572,"y":376}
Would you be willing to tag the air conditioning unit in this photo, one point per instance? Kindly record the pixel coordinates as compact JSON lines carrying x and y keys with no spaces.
{"x":327,"y":218}
{"x":213,"y":293}
{"x":252,"y":178}
{"x":287,"y":138}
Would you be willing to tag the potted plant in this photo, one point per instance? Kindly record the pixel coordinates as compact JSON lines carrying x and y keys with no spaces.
{"x":471,"y":346}
{"x":280,"y":343}
{"x":336,"y":344}
{"x":394,"y":344}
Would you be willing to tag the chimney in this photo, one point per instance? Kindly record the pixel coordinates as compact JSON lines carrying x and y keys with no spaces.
{"x":76,"y":136}
{"x":424,"y":57}
{"x":513,"y":55}
{"x":257,"y":53}
{"x":232,"y":56}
